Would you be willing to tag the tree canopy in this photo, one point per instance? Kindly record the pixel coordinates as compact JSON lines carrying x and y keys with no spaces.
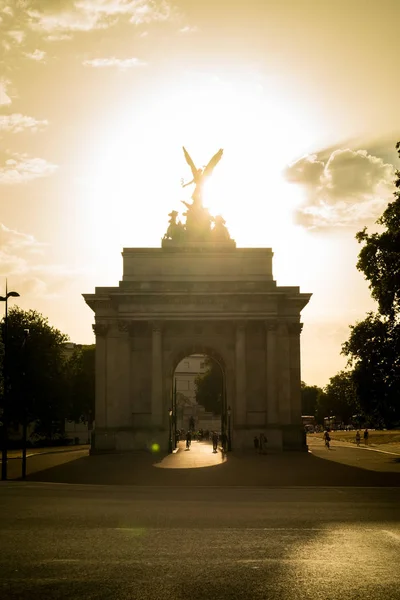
{"x":209,"y":387}
{"x":81,"y":377}
{"x":373,"y":347}
{"x":36,"y":369}
{"x":309,"y":398}
{"x":379,"y":259}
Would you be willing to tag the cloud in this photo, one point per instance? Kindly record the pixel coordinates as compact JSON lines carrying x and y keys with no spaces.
{"x":16,"y":123}
{"x":86,"y":15}
{"x":21,"y":260}
{"x":346,"y":188}
{"x":37,"y":55}
{"x":7,"y":10}
{"x":22,"y":168}
{"x":17,"y":35}
{"x":58,"y":37}
{"x":4,"y":98}
{"x":13,"y":241}
{"x":120,"y":63}
{"x":188,"y":29}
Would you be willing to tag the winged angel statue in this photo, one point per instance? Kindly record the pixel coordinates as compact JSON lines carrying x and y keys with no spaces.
{"x":200,"y":175}
{"x":198,"y":219}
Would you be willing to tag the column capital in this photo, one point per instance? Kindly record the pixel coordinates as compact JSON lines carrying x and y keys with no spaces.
{"x":271,"y":325}
{"x":123,"y":325}
{"x":241,"y":325}
{"x":282,"y":327}
{"x":157,"y":326}
{"x":295,"y":328}
{"x":100,"y":329}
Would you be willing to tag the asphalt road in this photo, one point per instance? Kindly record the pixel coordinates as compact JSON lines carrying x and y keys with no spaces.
{"x":323,"y":524}
{"x":62,"y":541}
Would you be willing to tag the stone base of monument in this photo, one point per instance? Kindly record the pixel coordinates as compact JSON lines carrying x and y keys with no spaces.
{"x":129,"y":440}
{"x":280,"y":438}
{"x":294,"y":438}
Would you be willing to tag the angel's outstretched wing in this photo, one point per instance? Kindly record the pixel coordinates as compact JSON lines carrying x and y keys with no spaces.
{"x":213,"y":163}
{"x":190,"y":162}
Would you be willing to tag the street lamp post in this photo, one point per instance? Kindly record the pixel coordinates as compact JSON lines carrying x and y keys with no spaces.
{"x":170,"y":431}
{"x":174,"y":414}
{"x":229,"y":430}
{"x":24,"y":405}
{"x":5,"y":386}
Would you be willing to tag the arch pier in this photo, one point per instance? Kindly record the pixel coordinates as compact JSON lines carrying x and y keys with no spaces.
{"x":192,"y":297}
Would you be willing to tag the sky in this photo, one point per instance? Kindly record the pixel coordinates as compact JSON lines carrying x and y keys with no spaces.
{"x":97,"y":98}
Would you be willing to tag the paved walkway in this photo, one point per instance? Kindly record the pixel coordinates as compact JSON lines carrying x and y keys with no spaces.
{"x":199,"y":455}
{"x":199,"y":466}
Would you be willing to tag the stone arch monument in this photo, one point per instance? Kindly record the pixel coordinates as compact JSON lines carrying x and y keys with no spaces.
{"x":198,"y":292}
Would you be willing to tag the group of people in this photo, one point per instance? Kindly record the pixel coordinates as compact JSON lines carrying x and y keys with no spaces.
{"x":215,"y":437}
{"x":260,"y":443}
{"x":358,"y":437}
{"x":327,"y":437}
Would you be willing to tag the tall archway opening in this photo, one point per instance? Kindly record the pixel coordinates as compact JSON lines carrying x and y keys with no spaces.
{"x":199,"y":397}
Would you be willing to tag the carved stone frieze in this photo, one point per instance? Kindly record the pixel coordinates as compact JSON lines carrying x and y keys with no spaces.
{"x":198,"y":300}
{"x":102,"y":305}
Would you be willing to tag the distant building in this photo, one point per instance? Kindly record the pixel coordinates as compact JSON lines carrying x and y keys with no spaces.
{"x":185,"y":375}
{"x":69,"y":348}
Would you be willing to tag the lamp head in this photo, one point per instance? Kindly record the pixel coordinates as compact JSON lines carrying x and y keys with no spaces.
{"x":12,"y":294}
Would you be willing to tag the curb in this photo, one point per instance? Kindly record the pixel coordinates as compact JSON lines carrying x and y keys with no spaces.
{"x":50,"y":451}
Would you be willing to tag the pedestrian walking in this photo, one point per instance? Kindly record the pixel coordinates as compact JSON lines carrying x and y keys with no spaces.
{"x":224,"y":440}
{"x":215,"y":441}
{"x":358,"y":438}
{"x":256,"y":443}
{"x":327,"y":439}
{"x":263,"y":443}
{"x":188,"y":440}
{"x":366,"y":436}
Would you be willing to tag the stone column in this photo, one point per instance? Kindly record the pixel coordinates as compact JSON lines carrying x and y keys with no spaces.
{"x":271,"y":373}
{"x":156,"y":376}
{"x":100,"y":330}
{"x":295,"y":375}
{"x":284,"y":373}
{"x":241,"y":404}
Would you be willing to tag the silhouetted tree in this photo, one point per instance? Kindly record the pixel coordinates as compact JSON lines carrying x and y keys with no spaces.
{"x":81,"y":377}
{"x":309,"y":398}
{"x":373,"y":350}
{"x":340,"y":398}
{"x":36,"y":370}
{"x":209,"y":387}
{"x":379,"y":259}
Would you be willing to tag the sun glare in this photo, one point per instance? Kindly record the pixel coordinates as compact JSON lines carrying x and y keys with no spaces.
{"x":140,"y":165}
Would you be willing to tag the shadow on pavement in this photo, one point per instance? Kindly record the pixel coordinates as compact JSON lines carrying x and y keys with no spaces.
{"x":290,"y":469}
